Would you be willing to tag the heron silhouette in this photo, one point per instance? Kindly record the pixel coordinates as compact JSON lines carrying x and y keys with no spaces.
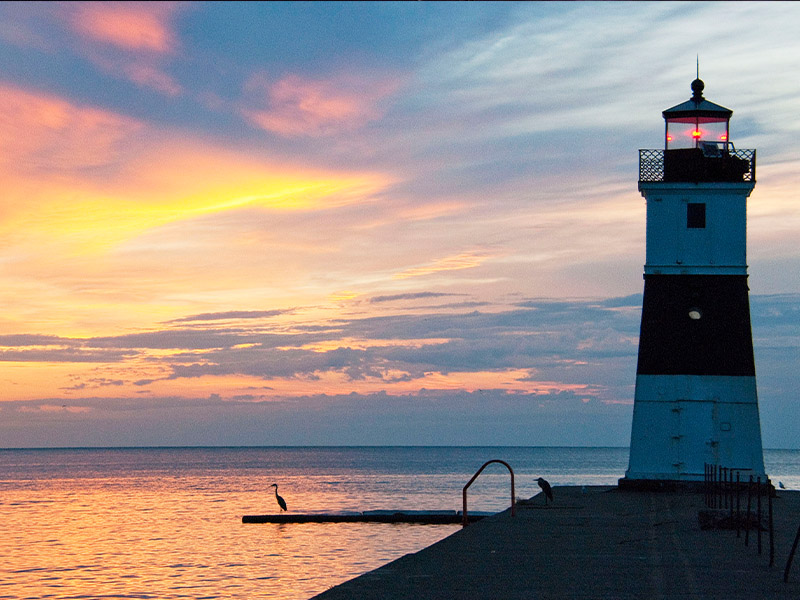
{"x":281,"y":501}
{"x":548,"y":491}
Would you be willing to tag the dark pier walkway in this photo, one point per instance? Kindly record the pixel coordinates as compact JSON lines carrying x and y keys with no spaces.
{"x":592,"y":543}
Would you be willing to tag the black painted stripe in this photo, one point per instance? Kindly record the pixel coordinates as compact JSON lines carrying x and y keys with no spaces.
{"x":720,"y":342}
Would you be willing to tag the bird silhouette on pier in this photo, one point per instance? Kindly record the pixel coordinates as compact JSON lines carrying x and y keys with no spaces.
{"x":548,"y":491}
{"x":281,"y":501}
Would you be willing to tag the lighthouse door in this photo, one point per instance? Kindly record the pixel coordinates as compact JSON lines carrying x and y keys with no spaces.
{"x":693,"y":443}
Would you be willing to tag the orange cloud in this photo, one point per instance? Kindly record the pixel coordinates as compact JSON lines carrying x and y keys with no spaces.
{"x":304,"y":107}
{"x":52,"y":408}
{"x":93,"y":201}
{"x":47,"y":145}
{"x":512,"y":381}
{"x":127,"y":25}
{"x":465,"y":260}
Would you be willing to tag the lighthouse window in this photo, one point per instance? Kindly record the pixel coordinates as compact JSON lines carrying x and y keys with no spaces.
{"x":696,"y":215}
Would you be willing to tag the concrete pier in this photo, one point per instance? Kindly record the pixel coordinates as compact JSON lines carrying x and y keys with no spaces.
{"x":593,"y":542}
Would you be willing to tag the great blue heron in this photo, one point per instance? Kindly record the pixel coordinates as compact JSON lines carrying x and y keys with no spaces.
{"x":281,"y":501}
{"x":548,"y":491}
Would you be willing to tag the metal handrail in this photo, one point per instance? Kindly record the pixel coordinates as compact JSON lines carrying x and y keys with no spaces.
{"x":465,"y":520}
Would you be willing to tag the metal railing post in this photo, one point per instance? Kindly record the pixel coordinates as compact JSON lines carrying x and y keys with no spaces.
{"x":759,"y":515}
{"x":730,"y":492}
{"x":749,"y":497}
{"x":465,"y":520}
{"x":725,"y":474}
{"x":713,"y":486}
{"x":738,"y":506}
{"x":771,"y":531}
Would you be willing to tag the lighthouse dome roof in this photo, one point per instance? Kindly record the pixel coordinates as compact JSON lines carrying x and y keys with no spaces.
{"x":697,"y":107}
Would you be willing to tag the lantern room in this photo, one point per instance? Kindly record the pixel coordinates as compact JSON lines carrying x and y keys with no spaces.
{"x":697,"y":121}
{"x":697,"y":146}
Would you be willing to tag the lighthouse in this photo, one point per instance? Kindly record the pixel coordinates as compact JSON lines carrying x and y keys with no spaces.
{"x":695,"y":401}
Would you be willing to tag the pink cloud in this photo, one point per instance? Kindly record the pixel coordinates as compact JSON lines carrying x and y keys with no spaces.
{"x":295,"y":106}
{"x":53,"y":408}
{"x":46,"y":133}
{"x":152,"y":77}
{"x":142,"y":31}
{"x":127,"y":25}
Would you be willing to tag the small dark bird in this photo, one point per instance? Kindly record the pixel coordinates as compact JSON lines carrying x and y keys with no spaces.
{"x":548,"y":491}
{"x":780,"y":485}
{"x":281,"y":501}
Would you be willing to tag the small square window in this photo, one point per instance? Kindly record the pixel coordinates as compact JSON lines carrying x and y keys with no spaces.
{"x":696,"y":215}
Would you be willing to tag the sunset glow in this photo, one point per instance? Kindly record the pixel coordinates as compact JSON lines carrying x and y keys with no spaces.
{"x":263,"y":212}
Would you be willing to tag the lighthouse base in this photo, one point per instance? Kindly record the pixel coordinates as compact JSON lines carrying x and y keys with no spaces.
{"x":682,"y":423}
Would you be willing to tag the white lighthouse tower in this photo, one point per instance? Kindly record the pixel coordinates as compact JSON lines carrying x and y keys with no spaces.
{"x":695,"y":401}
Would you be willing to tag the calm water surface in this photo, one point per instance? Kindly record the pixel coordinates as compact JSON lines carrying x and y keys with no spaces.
{"x":166,"y":523}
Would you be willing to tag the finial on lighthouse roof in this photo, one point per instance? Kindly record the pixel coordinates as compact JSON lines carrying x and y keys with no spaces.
{"x":697,"y":90}
{"x":698,"y":85}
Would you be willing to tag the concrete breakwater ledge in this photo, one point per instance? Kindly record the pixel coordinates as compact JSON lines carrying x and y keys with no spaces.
{"x":593,"y":542}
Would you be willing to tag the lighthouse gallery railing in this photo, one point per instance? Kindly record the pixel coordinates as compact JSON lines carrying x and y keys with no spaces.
{"x":654,"y":168}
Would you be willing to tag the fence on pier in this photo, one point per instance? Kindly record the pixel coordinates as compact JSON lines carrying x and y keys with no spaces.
{"x":739,"y":504}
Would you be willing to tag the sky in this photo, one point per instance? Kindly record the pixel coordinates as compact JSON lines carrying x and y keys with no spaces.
{"x":325,"y":223}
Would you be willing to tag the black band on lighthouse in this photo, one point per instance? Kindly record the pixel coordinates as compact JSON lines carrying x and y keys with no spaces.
{"x":696,"y":325}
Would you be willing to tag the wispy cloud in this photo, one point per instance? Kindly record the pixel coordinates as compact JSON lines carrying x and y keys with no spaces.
{"x":129,"y":39}
{"x":410,"y":296}
{"x":543,"y":357}
{"x":518,"y":350}
{"x":42,"y":133}
{"x":465,"y":260}
{"x":137,"y":26}
{"x":230,"y":315}
{"x":164,"y":181}
{"x":298,"y":106}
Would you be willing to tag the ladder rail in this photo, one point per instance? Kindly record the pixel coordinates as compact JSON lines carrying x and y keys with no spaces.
{"x":465,"y":520}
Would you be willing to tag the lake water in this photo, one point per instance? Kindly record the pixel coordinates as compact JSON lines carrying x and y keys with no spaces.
{"x":165,"y":523}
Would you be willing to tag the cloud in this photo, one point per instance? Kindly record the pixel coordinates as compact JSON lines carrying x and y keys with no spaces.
{"x":231,"y":315}
{"x":53,"y":408}
{"x":298,"y":106}
{"x":62,"y":355}
{"x":152,"y":77}
{"x":410,"y":296}
{"x":42,"y":134}
{"x":91,"y":179}
{"x":568,"y":363}
{"x":545,"y":346}
{"x":131,"y":40}
{"x":464,"y":260}
{"x":133,"y":26}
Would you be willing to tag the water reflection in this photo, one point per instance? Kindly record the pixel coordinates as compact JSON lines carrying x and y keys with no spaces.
{"x":166,"y":523}
{"x":161,"y":540}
